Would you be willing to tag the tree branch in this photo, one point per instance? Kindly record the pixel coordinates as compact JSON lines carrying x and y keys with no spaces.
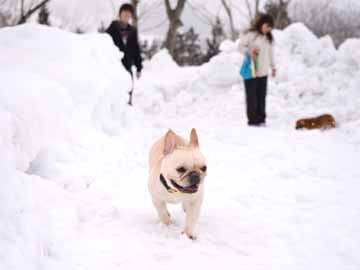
{"x":249,"y":9}
{"x":31,"y":11}
{"x":180,"y":7}
{"x":169,"y":10}
{"x":228,"y":11}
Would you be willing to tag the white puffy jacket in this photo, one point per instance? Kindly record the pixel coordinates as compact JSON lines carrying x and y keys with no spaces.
{"x":266,"y":52}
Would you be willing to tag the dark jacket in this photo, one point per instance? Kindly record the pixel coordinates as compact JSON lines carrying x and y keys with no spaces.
{"x":131,"y":48}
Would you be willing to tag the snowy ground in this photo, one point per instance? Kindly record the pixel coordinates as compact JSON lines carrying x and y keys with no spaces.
{"x":73,"y":186}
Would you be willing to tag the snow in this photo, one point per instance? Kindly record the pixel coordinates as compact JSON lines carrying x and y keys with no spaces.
{"x":73,"y":157}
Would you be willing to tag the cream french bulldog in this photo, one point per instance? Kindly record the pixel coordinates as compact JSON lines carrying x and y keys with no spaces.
{"x":177,"y":173}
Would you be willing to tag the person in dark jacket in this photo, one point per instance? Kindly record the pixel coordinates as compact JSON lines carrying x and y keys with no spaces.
{"x":125,"y":37}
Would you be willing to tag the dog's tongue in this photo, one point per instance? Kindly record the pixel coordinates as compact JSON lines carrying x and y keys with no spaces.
{"x":191,"y":188}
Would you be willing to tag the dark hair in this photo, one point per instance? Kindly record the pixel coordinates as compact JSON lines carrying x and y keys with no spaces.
{"x":259,"y":21}
{"x":126,"y":7}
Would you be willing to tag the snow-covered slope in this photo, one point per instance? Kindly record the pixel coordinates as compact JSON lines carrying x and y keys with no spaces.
{"x":73,"y":157}
{"x":313,"y":78}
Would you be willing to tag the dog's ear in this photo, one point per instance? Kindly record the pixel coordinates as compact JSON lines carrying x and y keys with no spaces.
{"x":170,"y":142}
{"x":194,"y":140}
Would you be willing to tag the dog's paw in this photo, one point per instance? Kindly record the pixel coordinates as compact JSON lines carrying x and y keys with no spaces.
{"x":166,"y":220}
{"x":191,"y":236}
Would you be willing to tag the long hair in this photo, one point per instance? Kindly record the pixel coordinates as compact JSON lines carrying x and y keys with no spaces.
{"x":259,"y":21}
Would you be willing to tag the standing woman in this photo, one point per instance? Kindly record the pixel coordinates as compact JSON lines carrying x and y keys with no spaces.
{"x":258,"y":43}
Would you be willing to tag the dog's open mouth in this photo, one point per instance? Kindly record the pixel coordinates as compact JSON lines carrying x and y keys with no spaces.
{"x":189,"y":189}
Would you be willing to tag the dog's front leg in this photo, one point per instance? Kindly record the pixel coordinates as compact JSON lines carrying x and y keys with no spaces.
{"x":192,"y":217}
{"x":162,"y":211}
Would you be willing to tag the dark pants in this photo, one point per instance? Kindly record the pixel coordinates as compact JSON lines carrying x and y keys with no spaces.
{"x":255,"y":100}
{"x":132,"y":85}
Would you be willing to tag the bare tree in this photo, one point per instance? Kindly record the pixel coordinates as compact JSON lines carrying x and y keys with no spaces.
{"x":174,"y":17}
{"x":202,"y":13}
{"x":14,"y":12}
{"x":252,"y":7}
{"x":25,"y":13}
{"x":213,"y":43}
{"x":135,"y":4}
{"x":145,"y":10}
{"x":44,"y":15}
{"x":278,"y":9}
{"x":307,"y":10}
{"x":5,"y":14}
{"x":323,"y":18}
{"x":233,"y":9}
{"x":229,"y":11}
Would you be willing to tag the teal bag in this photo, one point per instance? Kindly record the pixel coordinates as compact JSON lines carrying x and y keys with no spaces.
{"x":248,"y":68}
{"x":245,"y":70}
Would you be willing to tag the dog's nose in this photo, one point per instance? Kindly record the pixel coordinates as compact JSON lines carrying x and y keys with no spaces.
{"x":194,"y":178}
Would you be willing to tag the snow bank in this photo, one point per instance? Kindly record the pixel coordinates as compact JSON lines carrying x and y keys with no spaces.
{"x":313,"y":78}
{"x":51,"y":81}
{"x":349,"y":53}
{"x":58,"y":90}
{"x":314,"y":75}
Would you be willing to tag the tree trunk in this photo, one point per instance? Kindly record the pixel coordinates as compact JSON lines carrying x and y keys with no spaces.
{"x":135,"y":4}
{"x":279,"y":11}
{"x":282,"y":19}
{"x":257,"y":7}
{"x":252,"y":15}
{"x":228,"y":11}
{"x":170,"y":42}
{"x":174,"y":16}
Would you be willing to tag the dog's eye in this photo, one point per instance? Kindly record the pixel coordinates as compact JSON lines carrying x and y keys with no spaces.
{"x":181,"y":169}
{"x":204,"y":169}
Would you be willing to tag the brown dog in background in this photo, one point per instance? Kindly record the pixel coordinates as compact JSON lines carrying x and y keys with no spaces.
{"x":325,"y":121}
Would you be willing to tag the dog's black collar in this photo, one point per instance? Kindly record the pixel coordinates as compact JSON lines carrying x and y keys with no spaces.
{"x":166,"y":185}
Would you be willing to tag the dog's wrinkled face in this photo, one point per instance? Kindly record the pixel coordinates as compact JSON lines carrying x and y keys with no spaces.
{"x":184,"y":165}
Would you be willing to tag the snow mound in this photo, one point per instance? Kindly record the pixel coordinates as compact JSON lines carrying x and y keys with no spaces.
{"x":162,"y":61}
{"x":313,"y":78}
{"x":299,"y":43}
{"x":349,"y":53}
{"x":228,"y":46}
{"x":51,"y":81}
{"x":58,"y":90}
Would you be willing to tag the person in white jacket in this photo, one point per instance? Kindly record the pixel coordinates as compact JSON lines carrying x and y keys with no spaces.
{"x":258,"y":42}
